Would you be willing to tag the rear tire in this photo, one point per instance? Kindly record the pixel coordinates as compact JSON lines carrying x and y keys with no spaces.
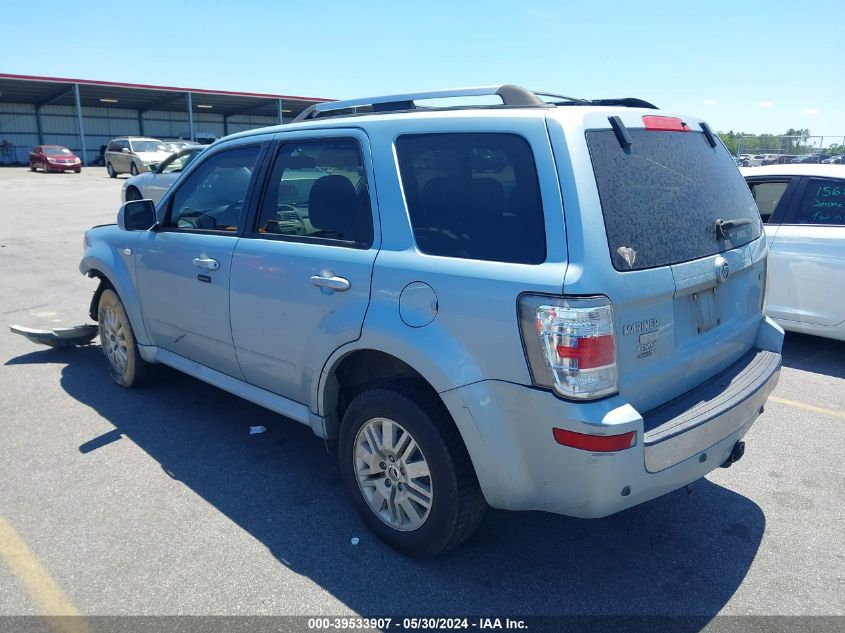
{"x":117,"y":339}
{"x":407,"y":469}
{"x":112,"y":173}
{"x":133,"y":169}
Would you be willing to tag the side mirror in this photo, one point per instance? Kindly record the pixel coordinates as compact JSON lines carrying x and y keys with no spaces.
{"x":152,"y":166}
{"x":125,"y":150}
{"x":137,"y":215}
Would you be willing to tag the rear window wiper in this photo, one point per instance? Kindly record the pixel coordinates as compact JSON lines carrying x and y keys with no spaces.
{"x":723,"y":226}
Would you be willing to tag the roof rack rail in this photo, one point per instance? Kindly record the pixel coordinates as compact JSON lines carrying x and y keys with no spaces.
{"x":511,"y":96}
{"x":628,"y":102}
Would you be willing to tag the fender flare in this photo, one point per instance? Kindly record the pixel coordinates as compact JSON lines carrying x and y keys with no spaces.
{"x":102,"y":262}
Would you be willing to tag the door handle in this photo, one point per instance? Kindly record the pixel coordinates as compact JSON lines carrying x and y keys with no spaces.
{"x":207,"y":263}
{"x":327,"y":279}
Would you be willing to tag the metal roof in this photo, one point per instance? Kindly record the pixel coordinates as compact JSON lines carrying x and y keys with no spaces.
{"x":59,"y":91}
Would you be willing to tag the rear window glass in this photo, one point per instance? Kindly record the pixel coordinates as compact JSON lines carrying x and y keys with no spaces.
{"x":662,"y":196}
{"x":823,"y":203}
{"x":473,"y":196}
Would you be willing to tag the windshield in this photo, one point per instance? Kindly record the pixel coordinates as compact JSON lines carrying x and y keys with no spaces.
{"x":53,"y":151}
{"x":662,"y":197}
{"x":182,"y":160}
{"x":148,"y":146}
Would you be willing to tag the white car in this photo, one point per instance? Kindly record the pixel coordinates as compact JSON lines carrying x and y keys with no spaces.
{"x":803,"y":207}
{"x":153,"y":183}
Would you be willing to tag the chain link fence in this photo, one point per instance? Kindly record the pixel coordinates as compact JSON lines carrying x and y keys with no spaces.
{"x":769,"y":149}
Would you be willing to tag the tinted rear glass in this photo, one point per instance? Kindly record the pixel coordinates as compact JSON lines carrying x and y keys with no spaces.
{"x":661,"y":197}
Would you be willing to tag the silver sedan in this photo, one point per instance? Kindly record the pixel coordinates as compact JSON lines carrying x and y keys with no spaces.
{"x":157,"y":179}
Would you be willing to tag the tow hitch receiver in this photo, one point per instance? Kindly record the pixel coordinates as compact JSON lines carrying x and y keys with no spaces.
{"x":58,"y":337}
{"x":736,"y":454}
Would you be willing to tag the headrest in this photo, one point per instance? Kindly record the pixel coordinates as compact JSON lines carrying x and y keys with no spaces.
{"x":333,"y":206}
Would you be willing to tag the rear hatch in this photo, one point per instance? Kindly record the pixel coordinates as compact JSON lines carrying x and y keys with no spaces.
{"x":668,"y":230}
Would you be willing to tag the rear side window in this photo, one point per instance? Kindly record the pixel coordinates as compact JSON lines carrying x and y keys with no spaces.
{"x":661,"y":198}
{"x":767,"y":195}
{"x":823,"y":202}
{"x":473,"y":196}
{"x":318,"y":190}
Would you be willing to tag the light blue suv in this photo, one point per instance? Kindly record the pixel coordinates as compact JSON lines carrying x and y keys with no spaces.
{"x":548,"y":304}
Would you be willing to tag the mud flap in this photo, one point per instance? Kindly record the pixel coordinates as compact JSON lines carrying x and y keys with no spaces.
{"x":58,"y":337}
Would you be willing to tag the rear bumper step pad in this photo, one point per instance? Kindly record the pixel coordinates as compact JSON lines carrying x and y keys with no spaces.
{"x":712,"y":411}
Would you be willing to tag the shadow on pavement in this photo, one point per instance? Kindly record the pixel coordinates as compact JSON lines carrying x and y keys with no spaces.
{"x":814,"y":354}
{"x":678,"y":555}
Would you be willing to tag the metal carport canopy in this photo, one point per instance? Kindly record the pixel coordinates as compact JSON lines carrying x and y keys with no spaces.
{"x":80,"y":93}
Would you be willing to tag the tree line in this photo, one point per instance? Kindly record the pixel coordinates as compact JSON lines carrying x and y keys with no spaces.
{"x":790,"y":142}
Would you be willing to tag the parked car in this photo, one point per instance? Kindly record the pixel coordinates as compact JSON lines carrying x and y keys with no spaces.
{"x":132,"y":154}
{"x":808,"y":158}
{"x":174,"y":145}
{"x":54,"y":158}
{"x":157,"y":179}
{"x":803,"y":207}
{"x":536,"y":337}
{"x":838,"y":159}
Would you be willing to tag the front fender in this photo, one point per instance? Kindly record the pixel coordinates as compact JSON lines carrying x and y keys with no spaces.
{"x":106,"y":256}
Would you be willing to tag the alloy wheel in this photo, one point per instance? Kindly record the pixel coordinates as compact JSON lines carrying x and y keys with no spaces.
{"x":113,"y":340}
{"x":393,"y":474}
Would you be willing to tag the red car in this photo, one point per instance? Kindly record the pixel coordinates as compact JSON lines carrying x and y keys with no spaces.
{"x":53,"y":158}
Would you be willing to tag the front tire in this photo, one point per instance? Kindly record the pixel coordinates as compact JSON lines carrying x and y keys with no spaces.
{"x":125,"y":364}
{"x":407,"y":469}
{"x":132,"y":193}
{"x":112,"y":173}
{"x":133,"y":169}
{"x":31,"y":166}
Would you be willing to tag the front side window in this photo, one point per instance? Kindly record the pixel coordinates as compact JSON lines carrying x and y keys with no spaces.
{"x":318,"y":189}
{"x":212,"y":198}
{"x":823,"y":202}
{"x":473,"y":196}
{"x":767,"y":195}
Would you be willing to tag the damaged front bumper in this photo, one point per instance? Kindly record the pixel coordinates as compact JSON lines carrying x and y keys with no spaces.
{"x":58,"y":337}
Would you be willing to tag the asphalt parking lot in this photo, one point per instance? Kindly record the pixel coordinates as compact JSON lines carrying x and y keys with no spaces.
{"x":159,"y":501}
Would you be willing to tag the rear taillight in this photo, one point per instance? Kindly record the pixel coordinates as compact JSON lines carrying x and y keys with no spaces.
{"x":570,"y":345}
{"x":664,"y":124}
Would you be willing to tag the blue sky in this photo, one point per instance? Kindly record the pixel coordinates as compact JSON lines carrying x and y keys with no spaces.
{"x":753,"y":66}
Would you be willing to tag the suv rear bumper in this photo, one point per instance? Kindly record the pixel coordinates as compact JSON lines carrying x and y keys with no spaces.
{"x":508,"y":432}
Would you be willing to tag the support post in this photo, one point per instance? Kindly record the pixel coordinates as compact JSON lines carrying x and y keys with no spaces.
{"x":141,"y":122}
{"x":190,"y":115}
{"x":280,"y":110}
{"x":225,"y":125}
{"x":38,"y":125}
{"x":79,"y":121}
